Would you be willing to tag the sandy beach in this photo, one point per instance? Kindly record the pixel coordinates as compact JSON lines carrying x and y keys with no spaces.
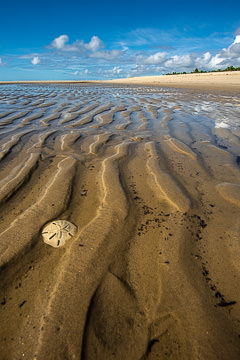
{"x":218,"y":81}
{"x":148,"y":174}
{"x":227,"y":80}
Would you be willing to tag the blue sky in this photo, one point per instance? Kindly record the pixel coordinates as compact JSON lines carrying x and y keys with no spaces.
{"x":74,"y":40}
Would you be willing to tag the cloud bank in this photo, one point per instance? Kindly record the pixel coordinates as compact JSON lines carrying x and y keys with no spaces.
{"x":132,"y":61}
{"x":187,"y":62}
{"x":140,"y":52}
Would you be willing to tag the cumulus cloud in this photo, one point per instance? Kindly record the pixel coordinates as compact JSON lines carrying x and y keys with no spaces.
{"x":0,"y":61}
{"x":94,"y":44}
{"x":179,"y":60}
{"x":206,"y":57}
{"x":207,"y":61}
{"x":215,"y":61}
{"x":154,"y":59}
{"x":173,"y":60}
{"x":98,"y":60}
{"x":157,"y":58}
{"x":202,"y":60}
{"x":237,"y":39}
{"x":233,"y":50}
{"x":228,"y":56}
{"x":61,"y":44}
{"x":35,"y":60}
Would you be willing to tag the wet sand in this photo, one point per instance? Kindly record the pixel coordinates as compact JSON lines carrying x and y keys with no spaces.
{"x":150,"y":176}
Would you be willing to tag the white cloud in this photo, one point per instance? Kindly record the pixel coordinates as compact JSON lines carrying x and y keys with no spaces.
{"x":227,"y":56}
{"x":145,"y":55}
{"x":115,"y":71}
{"x":237,"y":39}
{"x":94,"y":44}
{"x":173,"y":60}
{"x":215,"y":61}
{"x":202,"y":61}
{"x":233,"y":50}
{"x":157,"y":58}
{"x":0,"y":61}
{"x":139,"y":69}
{"x":206,"y":57}
{"x":154,"y":59}
{"x":106,"y":54}
{"x":60,"y":42}
{"x":35,"y":60}
{"x":180,"y":61}
{"x":159,"y":69}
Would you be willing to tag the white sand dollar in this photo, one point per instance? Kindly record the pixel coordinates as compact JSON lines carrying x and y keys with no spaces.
{"x":58,"y":232}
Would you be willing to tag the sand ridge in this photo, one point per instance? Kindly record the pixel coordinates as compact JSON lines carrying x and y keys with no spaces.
{"x":150,"y":177}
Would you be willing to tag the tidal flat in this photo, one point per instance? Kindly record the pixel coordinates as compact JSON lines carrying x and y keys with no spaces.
{"x":150,"y":179}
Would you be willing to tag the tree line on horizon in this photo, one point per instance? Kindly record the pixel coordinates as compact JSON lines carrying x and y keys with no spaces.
{"x":196,"y":71}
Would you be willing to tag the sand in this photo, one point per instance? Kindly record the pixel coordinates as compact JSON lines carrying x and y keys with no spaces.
{"x":218,"y":81}
{"x":229,"y":80}
{"x":150,"y":177}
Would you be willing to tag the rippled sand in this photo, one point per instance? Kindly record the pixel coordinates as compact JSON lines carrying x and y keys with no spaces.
{"x":151,"y":179}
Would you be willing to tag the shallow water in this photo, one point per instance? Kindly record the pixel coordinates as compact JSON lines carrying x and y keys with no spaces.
{"x":124,"y":112}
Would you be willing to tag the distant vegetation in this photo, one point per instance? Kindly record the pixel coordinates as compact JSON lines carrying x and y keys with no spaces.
{"x":196,"y":71}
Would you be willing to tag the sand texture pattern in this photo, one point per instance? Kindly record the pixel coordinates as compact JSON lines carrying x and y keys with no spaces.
{"x":149,"y":177}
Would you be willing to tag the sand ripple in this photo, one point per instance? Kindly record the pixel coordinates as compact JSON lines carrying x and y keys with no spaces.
{"x":150,"y":177}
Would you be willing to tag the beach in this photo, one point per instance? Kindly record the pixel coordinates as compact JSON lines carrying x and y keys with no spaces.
{"x":147,"y":172}
{"x":218,"y":81}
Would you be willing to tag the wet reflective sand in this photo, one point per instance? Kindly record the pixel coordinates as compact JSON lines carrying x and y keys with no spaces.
{"x":150,"y":177}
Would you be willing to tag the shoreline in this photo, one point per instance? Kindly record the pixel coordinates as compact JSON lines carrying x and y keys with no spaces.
{"x":229,"y":80}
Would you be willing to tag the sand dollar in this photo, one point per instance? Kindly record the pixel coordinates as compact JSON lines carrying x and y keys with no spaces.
{"x":58,"y":232}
